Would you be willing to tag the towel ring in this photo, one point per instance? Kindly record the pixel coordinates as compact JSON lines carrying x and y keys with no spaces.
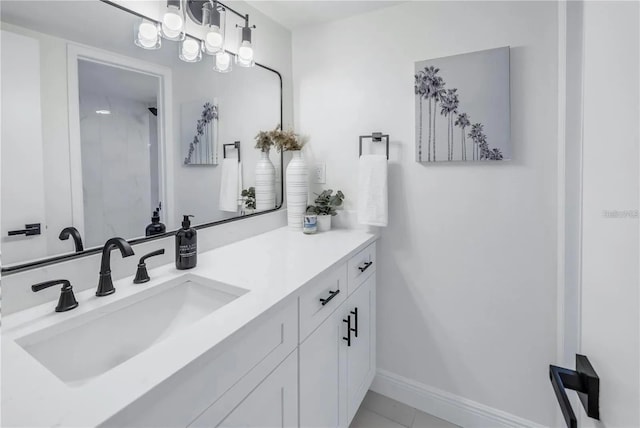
{"x":235,"y":145}
{"x":375,"y":137}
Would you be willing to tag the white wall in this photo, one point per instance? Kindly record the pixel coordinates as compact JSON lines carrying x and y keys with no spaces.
{"x":467,"y":275}
{"x":611,"y":173}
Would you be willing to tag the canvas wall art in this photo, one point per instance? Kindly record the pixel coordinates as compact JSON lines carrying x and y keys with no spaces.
{"x":463,"y":108}
{"x":199,"y":132}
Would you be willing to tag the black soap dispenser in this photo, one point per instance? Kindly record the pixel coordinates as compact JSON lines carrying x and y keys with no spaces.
{"x":186,"y":245}
{"x":155,"y":228}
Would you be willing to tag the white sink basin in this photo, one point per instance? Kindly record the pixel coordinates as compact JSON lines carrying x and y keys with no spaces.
{"x":94,"y":343}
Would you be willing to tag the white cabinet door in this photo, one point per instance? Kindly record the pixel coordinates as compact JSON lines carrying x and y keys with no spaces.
{"x":361,"y":354}
{"x":273,"y":403}
{"x":323,"y":401}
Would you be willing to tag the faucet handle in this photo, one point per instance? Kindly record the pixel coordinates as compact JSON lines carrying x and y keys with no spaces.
{"x":141,"y":274}
{"x":67,"y":300}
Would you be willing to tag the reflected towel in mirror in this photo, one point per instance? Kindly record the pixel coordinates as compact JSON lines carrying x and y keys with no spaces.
{"x":372,"y":190}
{"x":230,"y":185}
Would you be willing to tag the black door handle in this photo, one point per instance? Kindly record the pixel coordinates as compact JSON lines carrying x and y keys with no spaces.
{"x":332,"y":294}
{"x":29,"y":230}
{"x":365,"y":267}
{"x":349,"y":330}
{"x":584,"y":380}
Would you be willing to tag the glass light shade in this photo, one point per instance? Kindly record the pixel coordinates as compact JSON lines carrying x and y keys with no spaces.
{"x":190,"y":50}
{"x":214,"y":40}
{"x":173,"y":20}
{"x":146,"y":34}
{"x":222,"y":62}
{"x":244,"y":57}
{"x":213,"y":23}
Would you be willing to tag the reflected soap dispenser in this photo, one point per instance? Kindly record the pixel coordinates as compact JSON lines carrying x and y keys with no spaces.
{"x":186,"y":245}
{"x":155,"y":228}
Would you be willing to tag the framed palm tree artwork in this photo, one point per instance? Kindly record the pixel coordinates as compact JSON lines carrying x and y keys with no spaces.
{"x":462,"y":106}
{"x":199,"y":132}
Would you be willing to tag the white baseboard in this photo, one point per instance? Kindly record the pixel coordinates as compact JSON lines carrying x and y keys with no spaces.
{"x":444,"y":405}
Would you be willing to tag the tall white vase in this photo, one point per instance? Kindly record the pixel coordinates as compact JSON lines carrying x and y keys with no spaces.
{"x":265,"y":183}
{"x":297,"y":190}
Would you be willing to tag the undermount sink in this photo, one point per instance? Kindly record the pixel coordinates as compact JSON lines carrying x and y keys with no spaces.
{"x":95,"y":342}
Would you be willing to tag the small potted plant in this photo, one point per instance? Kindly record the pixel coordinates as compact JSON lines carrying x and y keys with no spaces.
{"x":249,"y":200}
{"x":325,"y":207}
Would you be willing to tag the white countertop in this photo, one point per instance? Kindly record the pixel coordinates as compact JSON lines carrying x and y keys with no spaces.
{"x":273,"y":266}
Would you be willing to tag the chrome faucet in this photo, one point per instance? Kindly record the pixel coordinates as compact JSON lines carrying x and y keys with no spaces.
{"x":105,"y":285}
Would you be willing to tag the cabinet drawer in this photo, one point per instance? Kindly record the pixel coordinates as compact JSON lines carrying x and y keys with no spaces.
{"x":181,"y":398}
{"x":319,"y":299}
{"x":361,"y":266}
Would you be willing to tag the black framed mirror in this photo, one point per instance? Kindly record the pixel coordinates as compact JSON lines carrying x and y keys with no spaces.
{"x":103,"y":131}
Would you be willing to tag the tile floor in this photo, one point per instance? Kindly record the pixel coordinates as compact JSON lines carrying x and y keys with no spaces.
{"x":378,"y":411}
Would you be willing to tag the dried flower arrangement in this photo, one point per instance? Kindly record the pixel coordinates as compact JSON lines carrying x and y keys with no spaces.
{"x":282,"y":140}
{"x":264,"y":141}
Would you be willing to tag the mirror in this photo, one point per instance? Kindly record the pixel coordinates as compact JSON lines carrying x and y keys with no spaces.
{"x":99,"y":135}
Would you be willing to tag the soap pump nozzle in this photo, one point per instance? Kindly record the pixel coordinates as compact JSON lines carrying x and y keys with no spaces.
{"x":186,"y":223}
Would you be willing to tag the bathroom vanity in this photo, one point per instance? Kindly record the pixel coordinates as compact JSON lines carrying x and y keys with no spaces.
{"x":275,"y":330}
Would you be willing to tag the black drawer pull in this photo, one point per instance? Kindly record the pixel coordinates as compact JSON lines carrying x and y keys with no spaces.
{"x":349,"y":330}
{"x":365,"y":267}
{"x":332,"y":294}
{"x":29,"y":230}
{"x":354,"y":312}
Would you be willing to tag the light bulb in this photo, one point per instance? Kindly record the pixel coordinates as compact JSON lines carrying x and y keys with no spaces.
{"x":146,"y":35}
{"x":213,"y":40}
{"x":148,"y":32}
{"x":190,"y":50}
{"x":245,"y":52}
{"x":223,"y":61}
{"x":172,"y":23}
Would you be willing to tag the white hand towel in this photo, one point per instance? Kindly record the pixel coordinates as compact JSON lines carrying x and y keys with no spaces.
{"x":239,"y":195}
{"x":372,"y":190}
{"x":229,"y":185}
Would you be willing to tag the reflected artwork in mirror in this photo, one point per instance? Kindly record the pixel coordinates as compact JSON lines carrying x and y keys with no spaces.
{"x":103,"y":137}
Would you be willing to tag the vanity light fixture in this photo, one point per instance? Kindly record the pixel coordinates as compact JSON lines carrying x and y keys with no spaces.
{"x":210,"y":15}
{"x":244,"y":57}
{"x":147,"y":34}
{"x":103,"y":111}
{"x":190,"y":49}
{"x":173,"y":20}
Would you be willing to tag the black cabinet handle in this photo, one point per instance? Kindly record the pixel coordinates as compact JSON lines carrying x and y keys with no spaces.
{"x":584,"y":380}
{"x":365,"y":267}
{"x":29,"y":230}
{"x":355,"y":324}
{"x":349,"y":330}
{"x":332,"y":294}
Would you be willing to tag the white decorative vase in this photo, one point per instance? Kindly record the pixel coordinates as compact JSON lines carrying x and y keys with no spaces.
{"x":297,"y":191}
{"x":324,"y":222}
{"x":265,"y":183}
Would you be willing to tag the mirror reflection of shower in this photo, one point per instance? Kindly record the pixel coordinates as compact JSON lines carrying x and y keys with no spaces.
{"x":120,"y":150}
